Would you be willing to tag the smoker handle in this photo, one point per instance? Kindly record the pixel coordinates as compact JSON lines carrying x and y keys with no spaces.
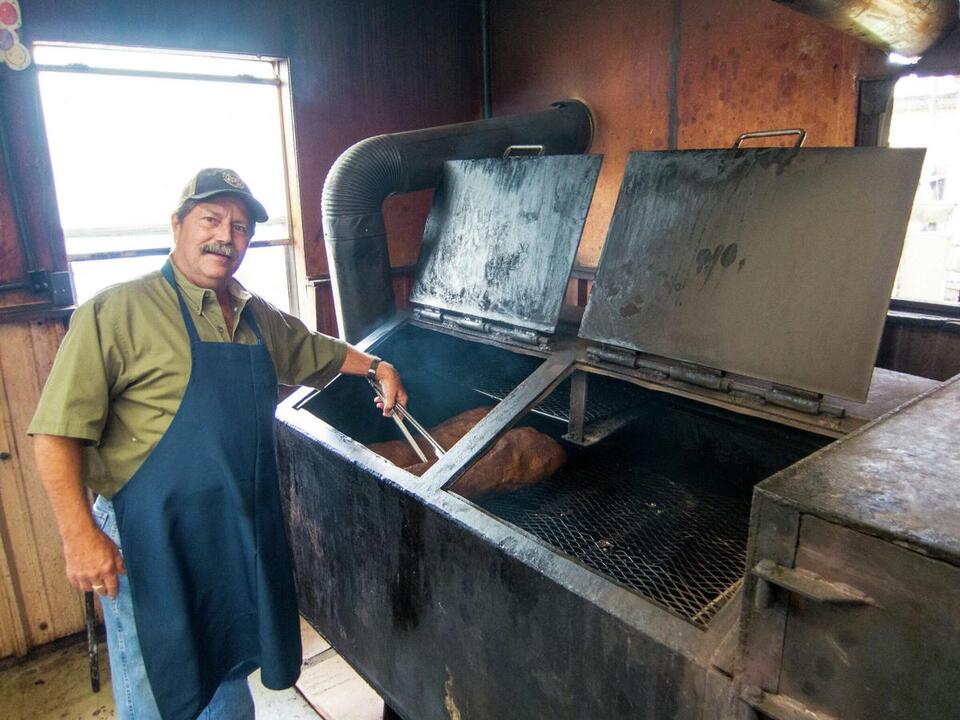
{"x":525,"y":150}
{"x":799,"y":132}
{"x":805,"y":584}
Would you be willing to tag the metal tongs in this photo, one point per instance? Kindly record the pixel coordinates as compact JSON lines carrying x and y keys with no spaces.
{"x":399,"y":414}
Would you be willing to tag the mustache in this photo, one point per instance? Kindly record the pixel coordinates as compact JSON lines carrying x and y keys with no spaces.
{"x":228,"y":251}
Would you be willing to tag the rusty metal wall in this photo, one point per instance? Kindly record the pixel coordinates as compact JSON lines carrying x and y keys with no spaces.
{"x":675,"y":74}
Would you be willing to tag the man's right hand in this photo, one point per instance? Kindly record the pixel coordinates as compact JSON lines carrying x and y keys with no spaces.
{"x":93,"y":562}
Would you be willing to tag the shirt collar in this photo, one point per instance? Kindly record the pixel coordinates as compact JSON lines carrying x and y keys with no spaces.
{"x":195,"y":296}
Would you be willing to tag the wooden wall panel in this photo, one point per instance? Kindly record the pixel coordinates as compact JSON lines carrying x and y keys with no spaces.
{"x":930,"y":349}
{"x":369,"y":67}
{"x":757,"y":65}
{"x":13,"y":622}
{"x":683,"y":73}
{"x":614,"y":55}
{"x":47,"y":605}
{"x":12,"y":266}
{"x":31,"y":182}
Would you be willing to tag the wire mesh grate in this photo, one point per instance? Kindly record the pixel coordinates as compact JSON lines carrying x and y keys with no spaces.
{"x":605,"y":397}
{"x":681,"y":544}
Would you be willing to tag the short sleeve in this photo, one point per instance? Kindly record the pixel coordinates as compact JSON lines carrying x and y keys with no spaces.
{"x":301,"y":357}
{"x":76,"y":396}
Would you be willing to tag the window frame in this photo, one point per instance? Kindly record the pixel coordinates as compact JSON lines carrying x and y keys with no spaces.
{"x":293,"y":241}
{"x":874,"y":116}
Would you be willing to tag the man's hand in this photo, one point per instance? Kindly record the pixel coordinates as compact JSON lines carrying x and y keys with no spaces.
{"x":93,"y":562}
{"x":92,"y":559}
{"x":392,"y":388}
{"x":358,"y":362}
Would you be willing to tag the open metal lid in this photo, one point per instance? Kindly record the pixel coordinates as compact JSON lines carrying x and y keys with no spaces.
{"x":502,"y":236}
{"x":776,"y":263}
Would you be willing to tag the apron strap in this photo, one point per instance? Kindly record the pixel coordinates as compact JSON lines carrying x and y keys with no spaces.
{"x":187,"y":319}
{"x":246,"y":315}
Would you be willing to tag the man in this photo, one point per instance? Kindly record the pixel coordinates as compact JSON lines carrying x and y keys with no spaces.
{"x":173,"y":377}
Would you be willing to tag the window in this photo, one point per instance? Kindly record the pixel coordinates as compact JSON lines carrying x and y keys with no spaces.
{"x":128,"y":127}
{"x":926,"y":113}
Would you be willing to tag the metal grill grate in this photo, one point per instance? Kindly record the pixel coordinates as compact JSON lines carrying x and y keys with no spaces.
{"x":605,"y":397}
{"x":681,"y":544}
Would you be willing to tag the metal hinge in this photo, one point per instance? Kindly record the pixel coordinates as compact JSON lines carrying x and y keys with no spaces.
{"x":57,"y":284}
{"x":716,"y":380}
{"x":479,"y":326}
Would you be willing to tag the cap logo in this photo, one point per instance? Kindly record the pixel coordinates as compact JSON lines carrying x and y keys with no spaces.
{"x":231,"y":179}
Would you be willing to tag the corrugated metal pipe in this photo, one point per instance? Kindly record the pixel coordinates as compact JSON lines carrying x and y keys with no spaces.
{"x":375,"y":168}
{"x":907,"y":27}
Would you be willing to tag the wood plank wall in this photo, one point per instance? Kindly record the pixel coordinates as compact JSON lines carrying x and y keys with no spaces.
{"x":37,"y":604}
{"x":921,"y":347}
{"x":674,"y":74}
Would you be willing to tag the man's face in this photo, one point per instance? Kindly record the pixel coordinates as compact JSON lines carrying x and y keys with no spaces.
{"x":210,"y":242}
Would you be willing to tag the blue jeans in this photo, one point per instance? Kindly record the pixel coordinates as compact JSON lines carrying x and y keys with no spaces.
{"x":131,"y":689}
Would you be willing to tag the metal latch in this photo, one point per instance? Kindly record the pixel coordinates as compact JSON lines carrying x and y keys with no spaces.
{"x":779,"y":707}
{"x":479,"y":326}
{"x":804,"y":583}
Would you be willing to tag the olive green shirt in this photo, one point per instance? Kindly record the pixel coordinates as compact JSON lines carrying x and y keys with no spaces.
{"x":123,"y":366}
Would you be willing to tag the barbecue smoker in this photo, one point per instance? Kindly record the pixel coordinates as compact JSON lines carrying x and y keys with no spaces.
{"x":735,"y":534}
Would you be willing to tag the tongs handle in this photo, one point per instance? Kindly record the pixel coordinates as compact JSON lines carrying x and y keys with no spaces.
{"x":400,"y":413}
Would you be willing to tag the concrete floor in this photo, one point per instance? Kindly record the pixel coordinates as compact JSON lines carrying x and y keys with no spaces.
{"x":53,"y":683}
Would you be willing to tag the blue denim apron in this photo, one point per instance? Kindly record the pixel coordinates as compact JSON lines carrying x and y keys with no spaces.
{"x":203,"y":536}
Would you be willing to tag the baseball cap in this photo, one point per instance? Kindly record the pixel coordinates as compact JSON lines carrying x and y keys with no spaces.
{"x":221,"y":181}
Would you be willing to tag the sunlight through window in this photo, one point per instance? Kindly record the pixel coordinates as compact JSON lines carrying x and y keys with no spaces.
{"x":128,"y":127}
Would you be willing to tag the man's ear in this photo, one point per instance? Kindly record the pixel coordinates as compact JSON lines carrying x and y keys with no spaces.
{"x":175,"y":226}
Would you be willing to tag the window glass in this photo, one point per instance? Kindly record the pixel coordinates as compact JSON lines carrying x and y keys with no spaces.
{"x":122,"y":148}
{"x":91,"y":277}
{"x":926,"y":113}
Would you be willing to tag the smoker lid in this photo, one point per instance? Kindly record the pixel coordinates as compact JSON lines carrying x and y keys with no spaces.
{"x":502,"y":236}
{"x":774,"y":263}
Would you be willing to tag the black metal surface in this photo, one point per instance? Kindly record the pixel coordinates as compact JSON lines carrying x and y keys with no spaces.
{"x":502,"y":237}
{"x":605,"y":396}
{"x":448,"y":610}
{"x":898,"y":481}
{"x":444,"y":375}
{"x":681,"y":544}
{"x":758,"y":262}
{"x":663,"y":505}
{"x":450,"y":613}
{"x":368,"y":172}
{"x":93,"y":647}
{"x":894,"y":658}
